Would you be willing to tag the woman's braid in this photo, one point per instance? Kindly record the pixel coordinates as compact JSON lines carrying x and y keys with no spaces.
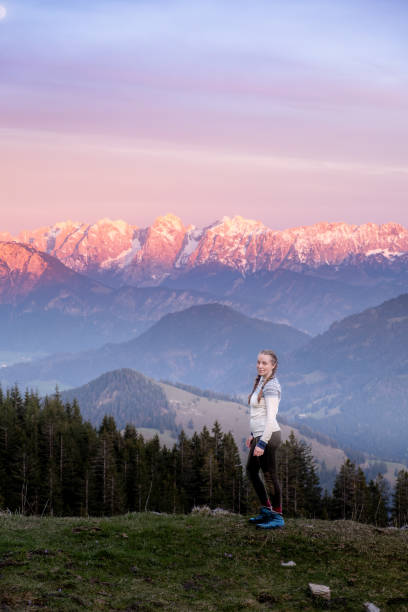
{"x":260,"y":394}
{"x":257,"y":379}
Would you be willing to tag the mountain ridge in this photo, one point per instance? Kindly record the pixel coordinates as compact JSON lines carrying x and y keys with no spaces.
{"x":128,"y":254}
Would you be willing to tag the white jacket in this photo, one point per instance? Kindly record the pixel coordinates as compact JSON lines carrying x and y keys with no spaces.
{"x":263,"y":414}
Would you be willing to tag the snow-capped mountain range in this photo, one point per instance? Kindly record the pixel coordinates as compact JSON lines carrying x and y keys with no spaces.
{"x":121,"y":253}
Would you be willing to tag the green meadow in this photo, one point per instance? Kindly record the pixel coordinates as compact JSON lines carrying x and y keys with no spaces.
{"x":147,"y":561}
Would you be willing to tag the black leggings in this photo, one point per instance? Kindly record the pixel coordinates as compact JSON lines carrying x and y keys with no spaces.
{"x":266,"y":463}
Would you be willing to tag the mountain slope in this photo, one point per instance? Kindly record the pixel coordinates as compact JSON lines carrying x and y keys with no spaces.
{"x":210,"y":346}
{"x":351,"y":381}
{"x":44,"y":304}
{"x":24,"y":270}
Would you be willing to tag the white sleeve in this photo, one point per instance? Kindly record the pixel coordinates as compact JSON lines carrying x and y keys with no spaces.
{"x":272,"y":405}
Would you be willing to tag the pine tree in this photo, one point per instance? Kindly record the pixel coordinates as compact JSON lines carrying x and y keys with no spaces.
{"x":134,"y":468}
{"x":51,"y":424}
{"x":361,"y":497}
{"x":185,"y":475}
{"x":378,"y":494}
{"x":301,"y":493}
{"x":153,"y":486}
{"x":211,"y":466}
{"x":350,"y":494}
{"x":197,"y":459}
{"x":30,"y":464}
{"x":14,"y":450}
{"x":343,"y":491}
{"x":107,"y":489}
{"x":231,"y":475}
{"x":400,"y":499}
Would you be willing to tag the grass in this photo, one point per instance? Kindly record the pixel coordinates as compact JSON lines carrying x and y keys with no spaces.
{"x":197,"y":562}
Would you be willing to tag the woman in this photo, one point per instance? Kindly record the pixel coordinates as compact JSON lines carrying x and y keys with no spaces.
{"x":264,"y":440}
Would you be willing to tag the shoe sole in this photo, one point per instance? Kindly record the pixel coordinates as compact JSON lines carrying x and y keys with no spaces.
{"x":257,"y":521}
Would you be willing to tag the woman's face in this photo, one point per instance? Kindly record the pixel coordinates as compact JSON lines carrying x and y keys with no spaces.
{"x":264,"y":365}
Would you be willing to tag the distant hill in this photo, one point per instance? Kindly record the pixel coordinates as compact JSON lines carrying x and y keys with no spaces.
{"x":210,"y":346}
{"x":351,"y":382}
{"x":305,"y":301}
{"x":128,"y":396}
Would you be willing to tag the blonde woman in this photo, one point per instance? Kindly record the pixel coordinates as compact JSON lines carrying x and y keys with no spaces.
{"x":264,"y":440}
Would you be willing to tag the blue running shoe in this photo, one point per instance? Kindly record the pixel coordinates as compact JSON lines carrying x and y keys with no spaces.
{"x":273,"y":522}
{"x":265,"y":514}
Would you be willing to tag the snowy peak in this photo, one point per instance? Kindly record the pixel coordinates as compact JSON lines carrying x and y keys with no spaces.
{"x":146,"y":256}
{"x":23,"y":268}
{"x":160,"y":247}
{"x":238,"y":224}
{"x":167,"y":222}
{"x":82,"y":246}
{"x":167,"y":231}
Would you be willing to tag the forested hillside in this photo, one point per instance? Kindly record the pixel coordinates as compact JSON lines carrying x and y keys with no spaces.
{"x":126,"y":395}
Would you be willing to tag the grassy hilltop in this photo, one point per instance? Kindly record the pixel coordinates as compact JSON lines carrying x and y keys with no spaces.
{"x":197,"y":562}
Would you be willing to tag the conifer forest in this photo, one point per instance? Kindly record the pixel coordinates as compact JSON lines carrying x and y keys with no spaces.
{"x":53,"y":462}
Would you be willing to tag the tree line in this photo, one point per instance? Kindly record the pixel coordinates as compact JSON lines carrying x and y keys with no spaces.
{"x":53,"y":462}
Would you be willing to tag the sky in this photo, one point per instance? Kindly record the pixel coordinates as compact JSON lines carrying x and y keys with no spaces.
{"x":288,"y":112}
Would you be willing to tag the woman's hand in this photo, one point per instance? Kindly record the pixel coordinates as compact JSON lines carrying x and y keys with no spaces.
{"x":258,"y":451}
{"x":248,"y":441}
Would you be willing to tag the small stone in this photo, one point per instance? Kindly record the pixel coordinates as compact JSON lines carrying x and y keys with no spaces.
{"x":370,"y":607}
{"x":288,"y":564}
{"x":320,"y":590}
